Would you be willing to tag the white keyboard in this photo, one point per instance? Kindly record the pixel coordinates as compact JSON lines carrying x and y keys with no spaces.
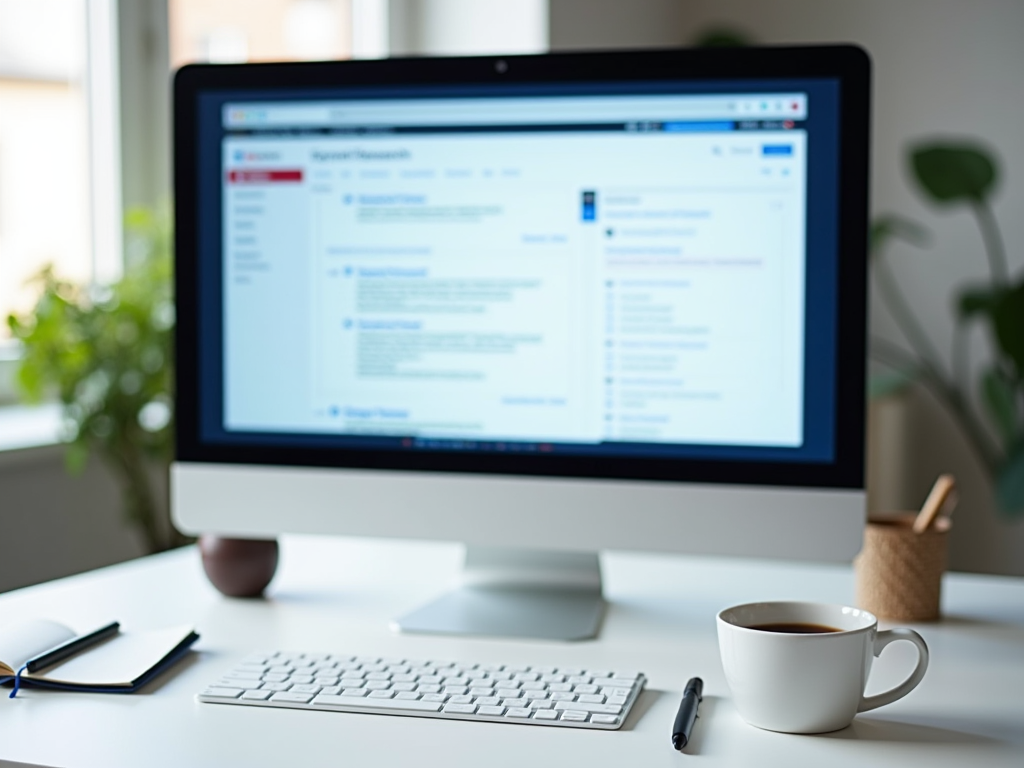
{"x":495,"y":693}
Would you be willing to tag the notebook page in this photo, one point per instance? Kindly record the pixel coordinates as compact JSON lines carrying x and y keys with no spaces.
{"x":119,"y":660}
{"x":24,"y":641}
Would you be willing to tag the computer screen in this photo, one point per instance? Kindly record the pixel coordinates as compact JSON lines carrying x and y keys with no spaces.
{"x":643,"y":269}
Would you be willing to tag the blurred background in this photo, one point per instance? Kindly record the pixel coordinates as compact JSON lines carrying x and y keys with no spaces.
{"x":84,"y":137}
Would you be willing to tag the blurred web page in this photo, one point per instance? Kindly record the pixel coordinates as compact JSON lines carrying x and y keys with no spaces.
{"x":518,"y":273}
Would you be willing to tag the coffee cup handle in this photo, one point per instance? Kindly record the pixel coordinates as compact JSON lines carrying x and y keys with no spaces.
{"x":882,"y":639}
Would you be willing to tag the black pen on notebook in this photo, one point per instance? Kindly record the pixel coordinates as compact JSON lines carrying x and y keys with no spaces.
{"x":71,"y":647}
{"x":687,"y":713}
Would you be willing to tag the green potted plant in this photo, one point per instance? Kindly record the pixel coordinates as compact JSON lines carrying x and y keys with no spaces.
{"x":107,"y":353}
{"x":963,"y":174}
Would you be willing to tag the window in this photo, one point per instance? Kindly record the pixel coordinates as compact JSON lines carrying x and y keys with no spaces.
{"x":225,"y":31}
{"x":44,"y":147}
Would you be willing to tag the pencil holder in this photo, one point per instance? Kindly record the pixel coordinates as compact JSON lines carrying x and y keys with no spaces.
{"x":899,"y":572}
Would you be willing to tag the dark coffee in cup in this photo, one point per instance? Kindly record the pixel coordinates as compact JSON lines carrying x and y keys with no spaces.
{"x":795,"y":628}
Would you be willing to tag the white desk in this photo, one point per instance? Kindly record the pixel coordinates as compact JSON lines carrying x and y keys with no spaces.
{"x":339,"y":594}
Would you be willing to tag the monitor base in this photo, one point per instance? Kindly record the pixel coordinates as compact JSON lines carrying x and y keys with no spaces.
{"x":518,"y":593}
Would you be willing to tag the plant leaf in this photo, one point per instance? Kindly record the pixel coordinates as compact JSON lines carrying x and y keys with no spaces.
{"x":974,"y":301}
{"x":889,"y":383}
{"x":76,"y":455}
{"x":954,"y":172}
{"x":1008,"y":321}
{"x":891,"y":226}
{"x":1010,"y":484}
{"x":999,"y":398}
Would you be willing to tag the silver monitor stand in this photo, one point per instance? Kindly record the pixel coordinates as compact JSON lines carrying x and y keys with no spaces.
{"x":522,"y":593}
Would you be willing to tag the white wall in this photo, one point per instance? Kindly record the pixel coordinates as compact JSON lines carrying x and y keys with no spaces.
{"x":942,"y":68}
{"x":466,"y":27}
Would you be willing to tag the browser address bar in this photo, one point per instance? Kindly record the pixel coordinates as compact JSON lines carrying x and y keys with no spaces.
{"x":517,"y":110}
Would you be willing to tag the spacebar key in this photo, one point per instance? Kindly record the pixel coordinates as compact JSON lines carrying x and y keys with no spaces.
{"x":351,"y":702}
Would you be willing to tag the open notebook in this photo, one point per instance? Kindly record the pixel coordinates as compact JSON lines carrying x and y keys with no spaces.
{"x":119,"y":664}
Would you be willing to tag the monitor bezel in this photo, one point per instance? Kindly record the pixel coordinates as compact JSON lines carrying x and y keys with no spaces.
{"x":847,"y":64}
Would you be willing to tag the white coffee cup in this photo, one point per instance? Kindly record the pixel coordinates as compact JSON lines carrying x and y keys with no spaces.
{"x":807,"y":683}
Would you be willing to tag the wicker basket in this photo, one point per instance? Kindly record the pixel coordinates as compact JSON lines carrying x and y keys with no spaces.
{"x":899,"y":572}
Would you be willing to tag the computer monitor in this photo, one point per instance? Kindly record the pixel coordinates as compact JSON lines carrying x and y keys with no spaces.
{"x":542,"y":305}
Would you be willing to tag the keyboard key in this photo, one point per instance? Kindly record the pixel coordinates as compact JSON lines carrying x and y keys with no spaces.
{"x":353,"y":693}
{"x":257,"y":695}
{"x":574,"y":716}
{"x":460,"y":709}
{"x":275,"y":686}
{"x":243,"y":675}
{"x":292,"y":698}
{"x":488,"y":701}
{"x":519,"y":712}
{"x":407,"y":696}
{"x":380,"y":694}
{"x":585,"y":689}
{"x":545,"y":714}
{"x":582,"y":706}
{"x":604,"y":719}
{"x":616,"y":691}
{"x":490,"y":710}
{"x":624,"y":682}
{"x":434,"y":697}
{"x":223,"y":693}
{"x":591,"y":698}
{"x":394,"y":704}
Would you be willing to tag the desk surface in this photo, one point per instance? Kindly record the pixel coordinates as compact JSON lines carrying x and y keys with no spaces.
{"x":338,"y":594}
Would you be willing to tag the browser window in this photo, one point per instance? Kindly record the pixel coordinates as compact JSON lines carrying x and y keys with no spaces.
{"x":604,"y":269}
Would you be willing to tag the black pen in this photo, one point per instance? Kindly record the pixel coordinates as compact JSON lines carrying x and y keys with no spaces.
{"x":71,"y":647}
{"x":687,"y":713}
